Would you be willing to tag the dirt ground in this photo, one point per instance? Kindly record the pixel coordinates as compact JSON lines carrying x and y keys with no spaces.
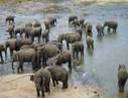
{"x":19,"y":86}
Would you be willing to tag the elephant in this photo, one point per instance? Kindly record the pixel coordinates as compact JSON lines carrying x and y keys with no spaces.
{"x":90,"y":42}
{"x":72,"y":19}
{"x":41,"y":78}
{"x":10,"y":29}
{"x":45,"y":52}
{"x":110,"y":25}
{"x":88,"y":29}
{"x":2,"y":48}
{"x":25,"y":55}
{"x":79,"y":23}
{"x":70,"y":37}
{"x":100,"y":30}
{"x":76,"y":48}
{"x":63,"y":57}
{"x":10,"y":19}
{"x":36,"y":32}
{"x":47,"y":25}
{"x":27,"y":30}
{"x":122,"y":77}
{"x":45,"y":36}
{"x":58,"y":73}
{"x":15,"y":44}
{"x":36,"y":24}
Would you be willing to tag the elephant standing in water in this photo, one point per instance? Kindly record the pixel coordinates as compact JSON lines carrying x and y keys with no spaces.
{"x":2,"y":48}
{"x":100,"y":30}
{"x":70,"y":37}
{"x":110,"y":25}
{"x":90,"y":42}
{"x":76,"y":48}
{"x":10,"y":29}
{"x":41,"y":78}
{"x":25,"y":55}
{"x":122,"y":77}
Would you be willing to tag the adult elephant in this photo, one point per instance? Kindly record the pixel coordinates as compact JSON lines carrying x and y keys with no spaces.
{"x":72,"y":19}
{"x":111,"y":25}
{"x":15,"y":44}
{"x":22,"y":56}
{"x":45,"y":52}
{"x":122,"y":77}
{"x":70,"y":37}
{"x":59,"y":73}
{"x":2,"y":48}
{"x":36,"y":32}
{"x":63,"y":57}
{"x":41,"y":78}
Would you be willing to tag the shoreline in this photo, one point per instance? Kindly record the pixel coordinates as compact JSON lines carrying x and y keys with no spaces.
{"x":19,"y":85}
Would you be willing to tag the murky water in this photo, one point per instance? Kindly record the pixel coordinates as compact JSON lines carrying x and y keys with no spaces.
{"x":99,"y":68}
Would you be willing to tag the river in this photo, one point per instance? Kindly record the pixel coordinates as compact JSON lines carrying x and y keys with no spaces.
{"x":100,"y":67}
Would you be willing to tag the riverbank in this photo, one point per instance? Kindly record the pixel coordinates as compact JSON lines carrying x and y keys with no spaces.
{"x":19,"y":86}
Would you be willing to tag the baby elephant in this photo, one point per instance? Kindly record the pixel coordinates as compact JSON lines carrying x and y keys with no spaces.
{"x":59,"y":73}
{"x":41,"y":78}
{"x":90,"y":42}
{"x":122,"y":77}
{"x":99,"y":29}
{"x":111,"y":25}
{"x":76,"y":48}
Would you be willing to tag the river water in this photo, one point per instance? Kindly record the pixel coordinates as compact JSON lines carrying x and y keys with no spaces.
{"x":100,"y":67}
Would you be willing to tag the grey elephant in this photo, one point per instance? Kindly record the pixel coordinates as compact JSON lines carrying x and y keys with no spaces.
{"x":70,"y":37}
{"x":100,"y":30}
{"x":87,"y":27}
{"x":59,"y":73}
{"x":122,"y":77}
{"x":10,"y":29}
{"x":10,"y":19}
{"x":90,"y":42}
{"x":2,"y":48}
{"x":111,"y":25}
{"x":15,"y":44}
{"x":24,"y":55}
{"x":36,"y":32}
{"x":64,"y":57}
{"x":76,"y":48}
{"x":45,"y":52}
{"x":41,"y":78}
{"x":45,"y":36}
{"x":28,"y":28}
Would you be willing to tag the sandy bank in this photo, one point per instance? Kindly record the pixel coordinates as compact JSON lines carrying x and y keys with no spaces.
{"x":19,"y":86}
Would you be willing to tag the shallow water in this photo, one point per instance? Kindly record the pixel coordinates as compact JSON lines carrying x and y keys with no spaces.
{"x":99,"y":68}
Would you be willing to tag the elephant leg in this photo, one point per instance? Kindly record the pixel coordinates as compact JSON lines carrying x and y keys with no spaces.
{"x":2,"y":61}
{"x":108,"y":29}
{"x":42,"y":91}
{"x":69,"y":65}
{"x":47,"y":88}
{"x":67,"y":45}
{"x":77,"y":54}
{"x":13,"y":66}
{"x":54,"y":82}
{"x":38,"y":92}
{"x":121,"y":84}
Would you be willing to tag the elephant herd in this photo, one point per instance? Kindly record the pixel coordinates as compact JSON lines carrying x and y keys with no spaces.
{"x":48,"y":56}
